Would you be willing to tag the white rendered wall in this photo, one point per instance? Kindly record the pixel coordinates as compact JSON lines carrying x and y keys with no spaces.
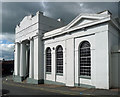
{"x":78,"y":80}
{"x":53,"y":76}
{"x":30,"y":24}
{"x":100,"y":32}
{"x":28,"y":28}
{"x":69,"y":68}
{"x":102,"y":60}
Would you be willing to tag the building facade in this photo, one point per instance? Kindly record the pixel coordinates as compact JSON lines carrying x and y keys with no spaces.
{"x":85,"y":52}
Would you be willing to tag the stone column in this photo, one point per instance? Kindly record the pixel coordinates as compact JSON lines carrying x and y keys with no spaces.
{"x":17,"y":59}
{"x":31,"y":67}
{"x":22,"y":60}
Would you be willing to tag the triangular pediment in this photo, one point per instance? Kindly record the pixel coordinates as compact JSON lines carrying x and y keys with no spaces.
{"x":83,"y":20}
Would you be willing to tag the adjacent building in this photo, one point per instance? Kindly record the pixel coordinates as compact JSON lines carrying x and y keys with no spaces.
{"x":85,"y":52}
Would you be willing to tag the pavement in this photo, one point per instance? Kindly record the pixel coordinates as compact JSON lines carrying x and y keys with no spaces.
{"x":14,"y":88}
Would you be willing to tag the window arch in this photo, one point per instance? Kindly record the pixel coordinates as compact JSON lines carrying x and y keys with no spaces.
{"x":85,"y":59}
{"x":59,"y":59}
{"x":48,"y":59}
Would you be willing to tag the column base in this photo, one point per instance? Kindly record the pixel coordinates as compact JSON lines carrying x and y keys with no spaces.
{"x":17,"y":78}
{"x":34,"y":81}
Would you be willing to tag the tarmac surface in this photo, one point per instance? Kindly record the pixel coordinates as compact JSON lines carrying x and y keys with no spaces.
{"x":9,"y":87}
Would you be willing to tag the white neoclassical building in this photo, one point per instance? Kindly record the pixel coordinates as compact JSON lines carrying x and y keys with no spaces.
{"x":85,"y":52}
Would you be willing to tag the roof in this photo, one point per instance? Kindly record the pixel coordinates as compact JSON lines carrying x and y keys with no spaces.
{"x":81,"y":21}
{"x":54,"y":32}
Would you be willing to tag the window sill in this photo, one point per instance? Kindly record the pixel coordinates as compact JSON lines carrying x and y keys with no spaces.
{"x":48,"y":73}
{"x":61,"y":74}
{"x":85,"y":77}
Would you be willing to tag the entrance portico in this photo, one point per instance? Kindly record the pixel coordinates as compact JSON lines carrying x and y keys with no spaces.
{"x":29,"y":47}
{"x":26,"y":65}
{"x":21,"y":60}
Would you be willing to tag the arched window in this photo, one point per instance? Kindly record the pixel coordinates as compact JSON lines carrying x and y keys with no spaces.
{"x":85,"y":59}
{"x":48,"y":59}
{"x":59,"y":59}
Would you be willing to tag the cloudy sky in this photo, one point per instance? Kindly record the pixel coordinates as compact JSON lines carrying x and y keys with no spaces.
{"x":13,"y":13}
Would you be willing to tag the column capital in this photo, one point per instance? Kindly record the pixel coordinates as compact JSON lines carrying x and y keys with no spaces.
{"x":22,"y":42}
{"x":30,"y":38}
{"x":36,"y":36}
{"x":17,"y":43}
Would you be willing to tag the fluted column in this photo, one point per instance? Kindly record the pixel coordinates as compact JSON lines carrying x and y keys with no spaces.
{"x":31,"y":67}
{"x":17,"y":59}
{"x":22,"y":59}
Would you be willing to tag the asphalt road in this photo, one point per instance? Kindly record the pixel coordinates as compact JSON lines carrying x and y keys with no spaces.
{"x":15,"y":90}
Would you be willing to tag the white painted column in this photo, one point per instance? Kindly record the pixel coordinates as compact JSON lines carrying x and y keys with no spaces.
{"x":31,"y":66}
{"x":17,"y":59}
{"x":22,"y":59}
{"x":38,"y":59}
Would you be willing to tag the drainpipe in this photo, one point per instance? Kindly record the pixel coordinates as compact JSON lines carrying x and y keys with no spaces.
{"x":118,"y":52}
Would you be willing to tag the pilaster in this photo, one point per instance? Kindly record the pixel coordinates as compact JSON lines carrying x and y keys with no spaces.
{"x":70,"y":76}
{"x":38,"y":59}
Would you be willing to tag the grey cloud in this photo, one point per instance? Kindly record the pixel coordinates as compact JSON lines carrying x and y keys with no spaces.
{"x":67,"y":11}
{"x":6,"y":51}
{"x":101,"y":6}
{"x":7,"y":36}
{"x":14,"y":12}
